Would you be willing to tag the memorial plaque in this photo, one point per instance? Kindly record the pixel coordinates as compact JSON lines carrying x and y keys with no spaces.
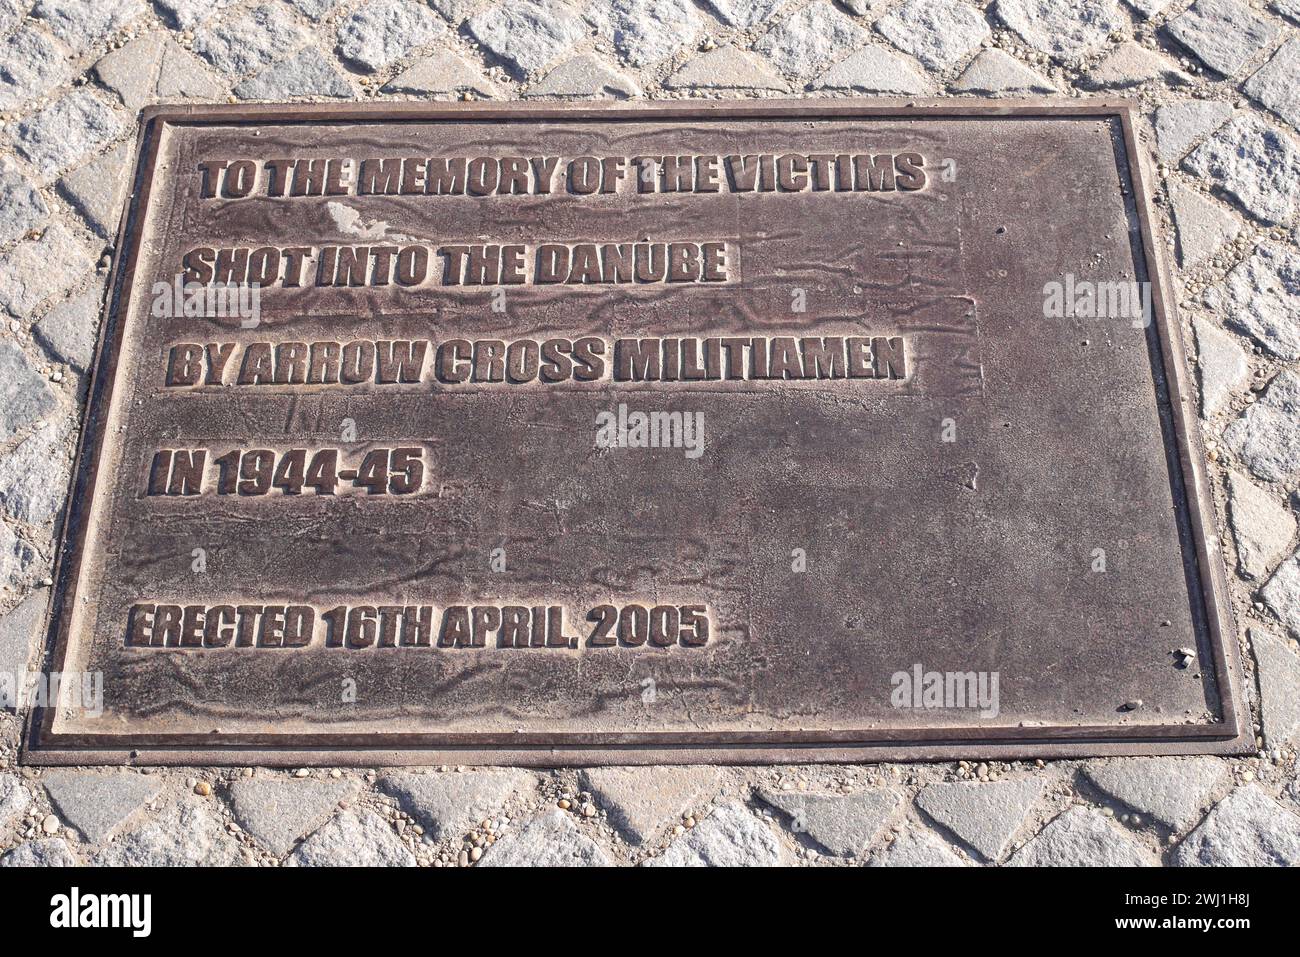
{"x":673,"y":433}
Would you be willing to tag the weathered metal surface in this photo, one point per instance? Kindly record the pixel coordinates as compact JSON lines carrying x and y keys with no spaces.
{"x":904,"y":460}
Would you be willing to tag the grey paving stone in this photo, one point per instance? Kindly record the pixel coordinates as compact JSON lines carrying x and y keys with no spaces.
{"x":154,"y":69}
{"x":552,"y":840}
{"x":1277,"y":671}
{"x":844,"y":824}
{"x":1066,"y":30}
{"x":14,"y":799}
{"x":916,"y":848}
{"x":1276,"y":85}
{"x":731,"y":836}
{"x":996,"y":72}
{"x":1262,"y":525}
{"x":1131,"y":65}
{"x":21,"y":630}
{"x":313,"y":9}
{"x":939,"y":33}
{"x":808,"y":42}
{"x":1180,"y":126}
{"x":25,"y":396}
{"x":1282,"y":592}
{"x":80,"y":23}
{"x":1223,"y":34}
{"x":11,"y":13}
{"x":34,"y":475}
{"x":98,"y":190}
{"x":67,"y":332}
{"x":874,"y":69}
{"x":646,"y":32}
{"x":17,"y":558}
{"x":96,"y":803}
{"x":1287,"y":8}
{"x":983,"y":814}
{"x":65,"y":132}
{"x":1148,"y":8}
{"x":41,"y":269}
{"x":643,"y":802}
{"x":21,"y":206}
{"x":528,"y":35}
{"x":50,"y":852}
{"x":1173,"y":791}
{"x":383,"y":31}
{"x":278,"y":811}
{"x":181,"y":76}
{"x":129,"y":70}
{"x":188,"y":14}
{"x":1082,"y":837}
{"x":1252,"y":162}
{"x":744,"y":13}
{"x":1265,"y":436}
{"x":1246,"y":829}
{"x":1204,"y":226}
{"x":186,"y":834}
{"x":307,"y":73}
{"x":448,"y":804}
{"x":454,"y":10}
{"x":1261,"y":298}
{"x":443,"y":73}
{"x":251,"y":43}
{"x":725,"y":68}
{"x":31,"y":64}
{"x":353,"y":839}
{"x":585,"y":76}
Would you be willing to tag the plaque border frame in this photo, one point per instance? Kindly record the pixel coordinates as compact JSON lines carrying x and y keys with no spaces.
{"x":1231,"y":735}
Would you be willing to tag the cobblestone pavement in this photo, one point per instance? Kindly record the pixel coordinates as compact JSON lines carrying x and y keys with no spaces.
{"x":1218,"y":82}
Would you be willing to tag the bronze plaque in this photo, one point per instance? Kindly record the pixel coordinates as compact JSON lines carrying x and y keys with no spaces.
{"x":682,"y":432}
